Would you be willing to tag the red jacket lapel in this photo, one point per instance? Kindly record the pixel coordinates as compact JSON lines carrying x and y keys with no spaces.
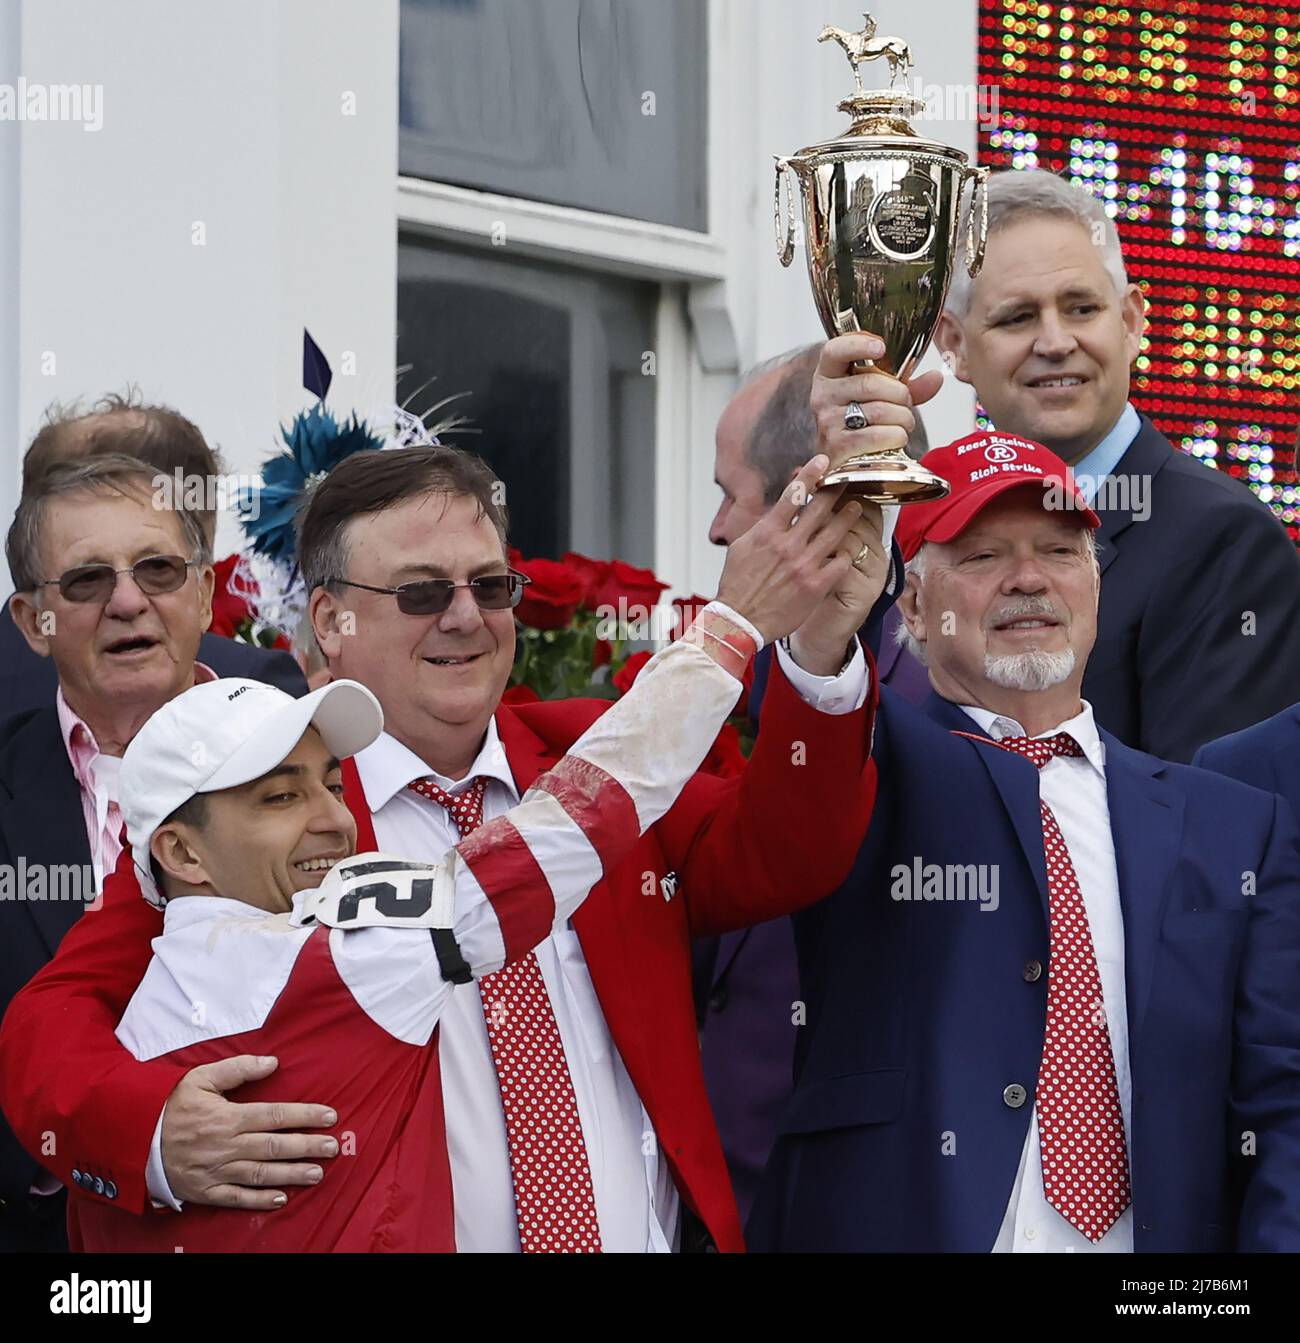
{"x":525,"y":750}
{"x":530,"y":754}
{"x":355,"y":797}
{"x":527,"y":753}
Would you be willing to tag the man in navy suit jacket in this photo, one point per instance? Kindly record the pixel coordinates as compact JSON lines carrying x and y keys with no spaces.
{"x":1263,"y":756}
{"x":969,"y":1026}
{"x":1199,"y":633}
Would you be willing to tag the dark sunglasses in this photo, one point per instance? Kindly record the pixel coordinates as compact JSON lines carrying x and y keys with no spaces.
{"x":153,"y":575}
{"x":432,"y":596}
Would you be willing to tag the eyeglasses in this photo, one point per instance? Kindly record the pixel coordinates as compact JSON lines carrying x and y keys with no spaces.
{"x":153,"y":575}
{"x":432,"y":596}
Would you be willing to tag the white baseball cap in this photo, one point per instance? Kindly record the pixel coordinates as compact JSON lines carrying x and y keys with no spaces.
{"x":225,"y":733}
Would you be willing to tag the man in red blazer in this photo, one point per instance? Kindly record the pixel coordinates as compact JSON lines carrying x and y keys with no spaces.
{"x":400,"y":551}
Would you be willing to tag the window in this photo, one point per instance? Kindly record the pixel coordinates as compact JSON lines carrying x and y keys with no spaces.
{"x":553,"y":361}
{"x":598,"y":104}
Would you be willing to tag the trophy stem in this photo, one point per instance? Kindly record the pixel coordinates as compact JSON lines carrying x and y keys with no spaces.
{"x":881,"y":210}
{"x":885,"y":478}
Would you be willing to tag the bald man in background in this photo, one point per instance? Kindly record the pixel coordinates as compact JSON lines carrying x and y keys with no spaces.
{"x":746,"y":983}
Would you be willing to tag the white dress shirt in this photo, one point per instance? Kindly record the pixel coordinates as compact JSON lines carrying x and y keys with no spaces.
{"x":1075,"y":789}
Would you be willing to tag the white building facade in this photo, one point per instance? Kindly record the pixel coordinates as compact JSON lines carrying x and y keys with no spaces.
{"x":562,"y":209}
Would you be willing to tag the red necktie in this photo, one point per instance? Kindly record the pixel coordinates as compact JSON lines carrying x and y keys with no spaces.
{"x":555,"y":1203}
{"x":1080,"y":1123}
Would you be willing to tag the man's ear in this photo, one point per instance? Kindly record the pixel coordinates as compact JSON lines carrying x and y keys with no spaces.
{"x":909,"y":606}
{"x":331,"y":622}
{"x":1133,"y":313}
{"x":951,"y":340}
{"x":207,"y":578}
{"x":177,"y":857}
{"x":37,"y":626}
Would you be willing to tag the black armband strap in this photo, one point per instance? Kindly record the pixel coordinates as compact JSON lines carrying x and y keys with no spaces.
{"x":455,"y":968}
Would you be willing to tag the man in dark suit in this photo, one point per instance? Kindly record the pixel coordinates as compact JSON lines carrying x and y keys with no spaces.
{"x":1199,"y":632}
{"x":1263,"y":756}
{"x":113,"y":656}
{"x":161,"y":438}
{"x":1047,"y":1011}
{"x":746,"y":982}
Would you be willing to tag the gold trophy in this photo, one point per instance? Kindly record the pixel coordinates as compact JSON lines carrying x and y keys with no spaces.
{"x":881,"y":211}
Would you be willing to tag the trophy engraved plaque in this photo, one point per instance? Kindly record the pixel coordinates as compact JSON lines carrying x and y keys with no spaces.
{"x":881,"y":211}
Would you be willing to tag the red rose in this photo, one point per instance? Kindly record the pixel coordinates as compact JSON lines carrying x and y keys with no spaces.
{"x":685,"y":609}
{"x":228,"y":610}
{"x":594,"y":574}
{"x":521,"y":694}
{"x":636,"y":588}
{"x":629,"y":671}
{"x":551,"y":600}
{"x":725,"y":759}
{"x":601,"y":654}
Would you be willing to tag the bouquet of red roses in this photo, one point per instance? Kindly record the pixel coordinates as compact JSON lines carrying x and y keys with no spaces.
{"x":578,"y":618}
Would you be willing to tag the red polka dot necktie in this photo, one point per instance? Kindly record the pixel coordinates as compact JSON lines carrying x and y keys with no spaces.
{"x":1080,"y":1123}
{"x":555,"y":1203}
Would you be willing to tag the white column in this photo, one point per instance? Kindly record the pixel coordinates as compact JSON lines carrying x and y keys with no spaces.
{"x":240,"y":188}
{"x":10,"y":259}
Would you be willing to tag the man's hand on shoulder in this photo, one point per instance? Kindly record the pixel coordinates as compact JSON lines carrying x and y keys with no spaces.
{"x":230,"y":1155}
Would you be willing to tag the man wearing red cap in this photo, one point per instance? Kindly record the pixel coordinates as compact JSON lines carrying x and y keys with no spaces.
{"x":1054,"y":1007}
{"x":1199,"y":632}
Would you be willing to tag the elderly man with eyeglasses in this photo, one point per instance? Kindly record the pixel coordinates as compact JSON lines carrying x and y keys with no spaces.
{"x":117,"y":593}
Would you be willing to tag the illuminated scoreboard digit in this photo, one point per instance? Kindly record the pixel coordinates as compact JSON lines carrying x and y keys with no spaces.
{"x":1184,"y":117}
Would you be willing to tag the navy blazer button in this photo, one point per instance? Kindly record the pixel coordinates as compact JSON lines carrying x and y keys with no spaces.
{"x":1032,"y":972}
{"x":717,"y":1000}
{"x":110,"y":1189}
{"x":1015,"y":1096}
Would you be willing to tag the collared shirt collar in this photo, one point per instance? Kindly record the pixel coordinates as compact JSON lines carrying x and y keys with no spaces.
{"x":79,"y":741}
{"x":1094,"y":466}
{"x":386,"y":766}
{"x":1082,"y":727}
{"x":186,"y":910}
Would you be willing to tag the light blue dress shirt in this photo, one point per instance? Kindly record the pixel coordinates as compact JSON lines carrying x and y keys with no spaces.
{"x":1096,"y":465}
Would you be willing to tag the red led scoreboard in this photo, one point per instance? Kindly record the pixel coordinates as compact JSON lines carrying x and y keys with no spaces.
{"x":1185,"y":118}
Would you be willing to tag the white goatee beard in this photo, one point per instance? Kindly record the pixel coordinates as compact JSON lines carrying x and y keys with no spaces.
{"x":1031,"y":670}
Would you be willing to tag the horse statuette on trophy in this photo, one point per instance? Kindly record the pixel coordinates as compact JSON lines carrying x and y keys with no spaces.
{"x":881,"y":211}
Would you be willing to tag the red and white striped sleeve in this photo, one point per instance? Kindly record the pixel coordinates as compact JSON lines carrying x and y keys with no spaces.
{"x":504,"y":888}
{"x":537,"y":862}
